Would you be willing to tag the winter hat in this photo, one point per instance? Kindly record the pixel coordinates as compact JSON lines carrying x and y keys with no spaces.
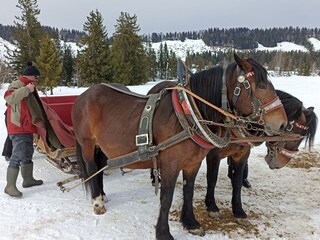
{"x":30,"y":70}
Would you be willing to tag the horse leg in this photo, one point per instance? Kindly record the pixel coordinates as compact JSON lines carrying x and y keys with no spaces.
{"x":238,"y":212}
{"x":187,"y":215}
{"x":169,"y":179}
{"x":101,"y":162}
{"x":97,"y":201}
{"x":213,"y":163}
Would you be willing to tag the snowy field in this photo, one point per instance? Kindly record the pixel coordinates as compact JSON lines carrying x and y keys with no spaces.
{"x":282,"y":204}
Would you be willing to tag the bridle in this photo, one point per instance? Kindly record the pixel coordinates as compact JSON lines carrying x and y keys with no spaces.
{"x":192,"y":116}
{"x":279,"y":147}
{"x":259,"y":109}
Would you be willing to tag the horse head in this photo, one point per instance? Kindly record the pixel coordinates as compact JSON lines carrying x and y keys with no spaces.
{"x":253,"y":96}
{"x":302,"y":121}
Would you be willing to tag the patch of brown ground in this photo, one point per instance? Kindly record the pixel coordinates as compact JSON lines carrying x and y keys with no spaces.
{"x":305,"y":159}
{"x":225,"y":225}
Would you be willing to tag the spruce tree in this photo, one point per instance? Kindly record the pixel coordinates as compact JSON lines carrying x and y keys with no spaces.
{"x":161,"y":61}
{"x":93,"y":60}
{"x":67,"y":65}
{"x":128,"y":56}
{"x":27,"y":35}
{"x":172,"y":65}
{"x":49,"y":64}
{"x":151,"y":61}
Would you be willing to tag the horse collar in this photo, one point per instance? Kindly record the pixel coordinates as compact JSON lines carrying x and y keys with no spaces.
{"x":190,"y":117}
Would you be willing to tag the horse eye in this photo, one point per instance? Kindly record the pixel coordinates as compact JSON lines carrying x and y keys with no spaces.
{"x":262,"y":86}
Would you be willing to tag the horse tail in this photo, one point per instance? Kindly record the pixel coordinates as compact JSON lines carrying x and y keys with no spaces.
{"x":83,"y":173}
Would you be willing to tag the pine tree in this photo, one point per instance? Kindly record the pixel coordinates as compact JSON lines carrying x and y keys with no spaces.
{"x":161,"y":62}
{"x":172,"y":66}
{"x":28,"y":35}
{"x":67,"y":65}
{"x":128,"y":56}
{"x":151,"y":61}
{"x":49,"y":64}
{"x":93,"y":60}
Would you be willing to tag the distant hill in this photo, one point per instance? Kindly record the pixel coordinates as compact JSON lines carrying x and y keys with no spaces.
{"x":192,"y":46}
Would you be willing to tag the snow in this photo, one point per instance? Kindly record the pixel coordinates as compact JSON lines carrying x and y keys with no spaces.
{"x":3,"y":50}
{"x":315,"y":43}
{"x":182,"y":48}
{"x":282,"y":204}
{"x":284,"y":47}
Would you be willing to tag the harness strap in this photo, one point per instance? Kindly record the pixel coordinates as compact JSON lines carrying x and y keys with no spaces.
{"x":224,"y":93}
{"x":145,"y":137}
{"x":134,"y":157}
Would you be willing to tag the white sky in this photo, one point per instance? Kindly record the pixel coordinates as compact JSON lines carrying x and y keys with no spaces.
{"x":178,"y":15}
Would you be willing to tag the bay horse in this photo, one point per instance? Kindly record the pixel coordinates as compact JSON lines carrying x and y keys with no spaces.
{"x":301,"y":120}
{"x":109,"y":119}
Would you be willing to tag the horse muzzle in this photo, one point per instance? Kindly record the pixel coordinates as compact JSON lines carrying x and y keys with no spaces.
{"x":276,"y":161}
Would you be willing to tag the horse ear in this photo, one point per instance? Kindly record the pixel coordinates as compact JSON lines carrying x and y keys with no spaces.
{"x":237,"y":59}
{"x":310,"y":109}
{"x":242,"y":63}
{"x":182,"y":72}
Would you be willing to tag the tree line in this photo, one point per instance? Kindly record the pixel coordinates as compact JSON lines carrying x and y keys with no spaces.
{"x":128,"y":58}
{"x":242,"y":38}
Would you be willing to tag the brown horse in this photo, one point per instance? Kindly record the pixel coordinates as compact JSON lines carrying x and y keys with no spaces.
{"x":302,"y":121}
{"x":105,"y":117}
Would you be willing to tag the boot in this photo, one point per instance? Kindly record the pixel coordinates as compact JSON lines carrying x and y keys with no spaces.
{"x":246,"y":183}
{"x":11,"y":188}
{"x":28,"y":180}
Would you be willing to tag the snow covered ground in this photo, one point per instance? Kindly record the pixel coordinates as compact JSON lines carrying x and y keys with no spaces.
{"x":282,"y":204}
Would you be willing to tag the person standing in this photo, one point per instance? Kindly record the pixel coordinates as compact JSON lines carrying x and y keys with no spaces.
{"x":19,"y":97}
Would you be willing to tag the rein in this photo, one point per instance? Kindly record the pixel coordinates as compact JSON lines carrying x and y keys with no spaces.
{"x":227,"y":114}
{"x":245,"y":121}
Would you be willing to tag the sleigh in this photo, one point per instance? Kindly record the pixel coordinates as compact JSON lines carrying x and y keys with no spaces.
{"x":58,"y":113}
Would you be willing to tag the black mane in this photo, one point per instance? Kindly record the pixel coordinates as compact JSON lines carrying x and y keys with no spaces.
{"x":208,"y":84}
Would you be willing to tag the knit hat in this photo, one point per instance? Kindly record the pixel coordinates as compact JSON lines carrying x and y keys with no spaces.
{"x":30,"y":70}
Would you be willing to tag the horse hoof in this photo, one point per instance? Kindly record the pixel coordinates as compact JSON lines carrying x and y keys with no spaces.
{"x":215,"y":215}
{"x":99,"y":210}
{"x":199,"y":232}
{"x":243,"y":222}
{"x":98,"y":205}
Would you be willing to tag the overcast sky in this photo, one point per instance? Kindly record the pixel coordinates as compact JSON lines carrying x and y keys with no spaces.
{"x":174,"y":15}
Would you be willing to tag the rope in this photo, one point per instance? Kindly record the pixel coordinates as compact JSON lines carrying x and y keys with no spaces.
{"x":204,"y":101}
{"x":285,"y":137}
{"x":63,"y":189}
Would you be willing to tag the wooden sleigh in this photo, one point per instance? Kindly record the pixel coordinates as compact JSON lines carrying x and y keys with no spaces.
{"x":58,"y":111}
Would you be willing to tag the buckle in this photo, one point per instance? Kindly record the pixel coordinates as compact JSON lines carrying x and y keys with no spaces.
{"x":246,"y":84}
{"x":290,"y":126}
{"x":237,"y":91}
{"x":142,"y":139}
